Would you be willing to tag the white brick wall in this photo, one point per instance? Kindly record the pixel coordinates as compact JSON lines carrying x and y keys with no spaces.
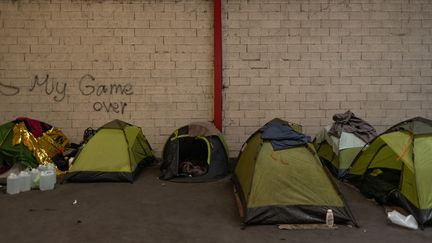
{"x":304,"y":60}
{"x":161,"y":53}
{"x":301,"y":60}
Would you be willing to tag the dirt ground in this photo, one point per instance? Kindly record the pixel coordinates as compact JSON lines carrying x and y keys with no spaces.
{"x":151,"y":210}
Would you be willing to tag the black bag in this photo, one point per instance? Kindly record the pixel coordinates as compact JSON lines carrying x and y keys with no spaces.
{"x":88,"y":133}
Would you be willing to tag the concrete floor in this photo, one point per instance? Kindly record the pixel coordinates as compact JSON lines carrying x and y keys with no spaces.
{"x":151,"y":210}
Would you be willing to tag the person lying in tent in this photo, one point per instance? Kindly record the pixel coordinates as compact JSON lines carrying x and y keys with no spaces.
{"x":190,"y":169}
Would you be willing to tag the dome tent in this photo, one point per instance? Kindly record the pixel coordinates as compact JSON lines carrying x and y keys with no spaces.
{"x":29,"y":142}
{"x":338,"y":144}
{"x":279,"y":179}
{"x":197,"y":147}
{"x":10,"y":153}
{"x":395,"y":168}
{"x":116,"y":152}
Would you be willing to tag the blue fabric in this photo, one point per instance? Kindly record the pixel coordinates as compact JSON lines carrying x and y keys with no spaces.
{"x":282,"y":136}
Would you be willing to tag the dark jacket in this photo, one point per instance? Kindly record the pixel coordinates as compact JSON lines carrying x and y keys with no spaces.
{"x":348,"y":122}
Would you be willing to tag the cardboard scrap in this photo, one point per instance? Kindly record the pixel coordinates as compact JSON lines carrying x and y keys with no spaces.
{"x":305,"y":226}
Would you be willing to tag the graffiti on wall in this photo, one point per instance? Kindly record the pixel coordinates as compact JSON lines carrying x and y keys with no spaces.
{"x":87,"y":86}
{"x":50,"y":87}
{"x":8,"y":90}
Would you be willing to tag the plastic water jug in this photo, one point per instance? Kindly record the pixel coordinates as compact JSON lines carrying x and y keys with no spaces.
{"x":13,"y":184}
{"x":46,"y":180}
{"x":53,"y":168}
{"x":42,"y":168}
{"x":34,"y":175}
{"x":25,"y":181}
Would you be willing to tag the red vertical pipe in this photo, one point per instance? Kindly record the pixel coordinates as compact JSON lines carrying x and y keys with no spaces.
{"x":217,"y":26}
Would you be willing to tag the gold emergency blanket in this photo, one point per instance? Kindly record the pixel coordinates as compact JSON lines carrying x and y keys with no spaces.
{"x":51,"y":143}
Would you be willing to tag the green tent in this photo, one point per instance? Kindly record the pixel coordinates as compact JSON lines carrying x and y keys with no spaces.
{"x":279,"y":180}
{"x":396,"y":168}
{"x":11,"y":154}
{"x":337,"y":153}
{"x":115,"y":153}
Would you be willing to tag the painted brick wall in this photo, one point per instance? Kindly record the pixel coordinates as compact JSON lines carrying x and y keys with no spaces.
{"x":304,"y":60}
{"x":66,"y":62}
{"x":301,"y":60}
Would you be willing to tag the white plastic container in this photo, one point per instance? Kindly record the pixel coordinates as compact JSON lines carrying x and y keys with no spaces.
{"x":46,"y":180}
{"x":54,"y":177}
{"x":402,"y":220}
{"x":34,"y":175}
{"x":42,"y":168}
{"x":53,"y":168}
{"x":13,"y":184}
{"x":25,"y":181}
{"x":329,"y":218}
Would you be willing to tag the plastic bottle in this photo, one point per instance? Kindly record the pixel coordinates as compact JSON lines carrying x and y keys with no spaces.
{"x":46,"y":181}
{"x":13,"y":184}
{"x":25,"y":181}
{"x":329,"y":218}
